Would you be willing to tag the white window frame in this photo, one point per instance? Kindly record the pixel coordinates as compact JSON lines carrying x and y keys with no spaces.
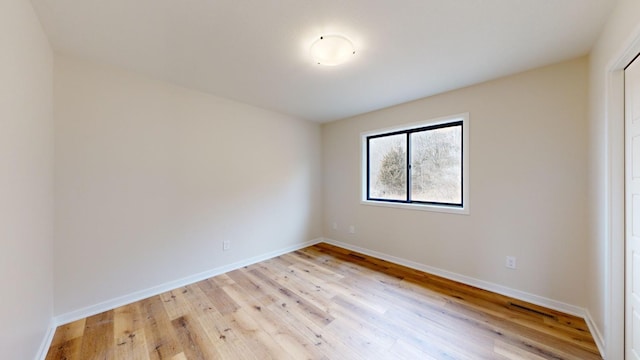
{"x":464,"y":209}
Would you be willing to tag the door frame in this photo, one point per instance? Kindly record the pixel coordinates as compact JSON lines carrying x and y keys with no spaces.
{"x":615,"y":199}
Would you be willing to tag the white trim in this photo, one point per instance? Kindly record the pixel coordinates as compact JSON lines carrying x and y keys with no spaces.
{"x":159,"y":289}
{"x":435,"y":208}
{"x":465,"y":209}
{"x":614,"y":223}
{"x":46,"y":342}
{"x":615,"y":194}
{"x":139,"y":295}
{"x":485,"y":285}
{"x":595,"y":333}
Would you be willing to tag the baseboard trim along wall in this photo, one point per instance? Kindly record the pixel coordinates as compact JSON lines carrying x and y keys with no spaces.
{"x":485,"y":285}
{"x":159,"y":289}
{"x":595,"y":332}
{"x":156,"y":290}
{"x":46,"y":341}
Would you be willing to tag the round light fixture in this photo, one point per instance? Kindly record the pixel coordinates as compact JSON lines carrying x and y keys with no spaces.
{"x":331,"y":50}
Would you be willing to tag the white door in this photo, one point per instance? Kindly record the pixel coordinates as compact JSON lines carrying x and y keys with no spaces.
{"x":632,"y":210}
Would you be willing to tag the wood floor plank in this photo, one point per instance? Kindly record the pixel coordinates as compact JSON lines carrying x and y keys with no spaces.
{"x":193,"y":338}
{"x":326,"y":302}
{"x":68,"y":332}
{"x":159,"y":333}
{"x":132,"y":346}
{"x":97,"y":339}
{"x":259,"y":341}
{"x":126,"y":321}
{"x":303,"y":284}
{"x":69,"y":349}
{"x":403,"y":350}
{"x":327,"y":342}
{"x":311,"y":312}
{"x":295,"y":345}
{"x":219,"y":299}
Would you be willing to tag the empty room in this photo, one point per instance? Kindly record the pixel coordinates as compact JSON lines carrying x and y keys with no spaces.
{"x":217,"y":179}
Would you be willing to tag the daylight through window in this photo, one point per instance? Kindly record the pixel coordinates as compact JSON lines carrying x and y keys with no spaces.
{"x":422,"y":165}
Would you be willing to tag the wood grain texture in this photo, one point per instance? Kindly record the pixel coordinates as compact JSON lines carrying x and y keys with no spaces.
{"x":325,"y":302}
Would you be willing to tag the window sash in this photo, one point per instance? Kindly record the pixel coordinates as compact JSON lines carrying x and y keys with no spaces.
{"x":408,"y":167}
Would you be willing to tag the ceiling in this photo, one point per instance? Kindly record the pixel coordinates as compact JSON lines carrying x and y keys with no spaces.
{"x":257,"y":51}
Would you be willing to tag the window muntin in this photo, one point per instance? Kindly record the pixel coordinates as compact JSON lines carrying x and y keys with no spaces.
{"x":422,"y":166}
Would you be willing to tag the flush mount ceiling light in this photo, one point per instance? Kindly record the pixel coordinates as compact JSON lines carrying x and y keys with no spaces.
{"x":331,"y":50}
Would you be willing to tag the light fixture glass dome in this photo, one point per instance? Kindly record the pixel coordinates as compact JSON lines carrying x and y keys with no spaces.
{"x":331,"y":50}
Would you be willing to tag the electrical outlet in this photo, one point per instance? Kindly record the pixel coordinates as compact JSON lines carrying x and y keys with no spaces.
{"x":334,"y":226}
{"x":226,"y":245}
{"x":352,"y":229}
{"x":510,"y":262}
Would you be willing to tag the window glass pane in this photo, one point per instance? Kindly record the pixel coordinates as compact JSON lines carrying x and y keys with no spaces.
{"x":436,"y":165}
{"x":388,"y":167}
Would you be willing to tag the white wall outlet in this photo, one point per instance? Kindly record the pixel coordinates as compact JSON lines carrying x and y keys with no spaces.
{"x":334,"y":226}
{"x":226,"y":245}
{"x":352,"y":229}
{"x":510,"y":262}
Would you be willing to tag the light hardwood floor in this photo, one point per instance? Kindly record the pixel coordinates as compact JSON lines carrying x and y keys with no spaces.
{"x":324,"y":302}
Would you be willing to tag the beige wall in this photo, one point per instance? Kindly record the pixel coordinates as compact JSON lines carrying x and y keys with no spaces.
{"x":528,"y":145}
{"x":605,"y":276}
{"x":26,"y":181}
{"x":151,"y":178}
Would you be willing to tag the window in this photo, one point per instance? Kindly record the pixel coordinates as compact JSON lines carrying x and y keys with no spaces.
{"x":423,"y":166}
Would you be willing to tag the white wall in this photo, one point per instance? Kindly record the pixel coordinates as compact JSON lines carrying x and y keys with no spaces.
{"x":26,"y":181}
{"x":605,"y":274}
{"x":528,"y":145}
{"x":150,"y":179}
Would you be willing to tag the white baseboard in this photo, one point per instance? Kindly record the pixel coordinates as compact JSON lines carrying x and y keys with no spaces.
{"x":46,"y":342}
{"x":595,"y":332}
{"x":159,"y":289}
{"x":485,"y":285}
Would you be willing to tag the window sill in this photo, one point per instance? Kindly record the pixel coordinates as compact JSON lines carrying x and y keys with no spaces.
{"x":421,"y":207}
